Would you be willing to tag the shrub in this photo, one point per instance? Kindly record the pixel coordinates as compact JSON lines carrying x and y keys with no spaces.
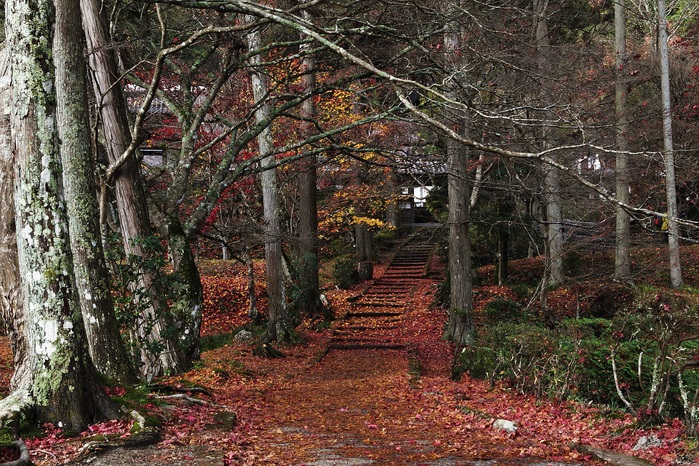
{"x":504,"y":309}
{"x":385,"y":239}
{"x":571,"y":361}
{"x":606,"y":301}
{"x":344,"y":272}
{"x":524,"y":354}
{"x":662,"y":325}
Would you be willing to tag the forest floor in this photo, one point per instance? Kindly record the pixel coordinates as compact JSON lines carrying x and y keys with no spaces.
{"x":329,"y":407}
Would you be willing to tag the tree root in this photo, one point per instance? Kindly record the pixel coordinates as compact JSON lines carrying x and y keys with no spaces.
{"x":13,"y":406}
{"x":145,"y":436}
{"x":181,"y":396}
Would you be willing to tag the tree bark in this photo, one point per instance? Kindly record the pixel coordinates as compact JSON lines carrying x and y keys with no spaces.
{"x":253,"y":312}
{"x":363,"y":236}
{"x":131,"y":201}
{"x":363,"y":239}
{"x":65,"y":390}
{"x":188,"y":294}
{"x":502,"y":255}
{"x":278,"y":327}
{"x":10,"y":289}
{"x":460,"y":328}
{"x":308,"y":193}
{"x":552,"y":183}
{"x":91,"y":276}
{"x":669,"y":153}
{"x":622,"y":260}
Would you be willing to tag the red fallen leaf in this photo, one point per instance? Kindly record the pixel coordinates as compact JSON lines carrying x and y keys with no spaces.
{"x":372,"y":426}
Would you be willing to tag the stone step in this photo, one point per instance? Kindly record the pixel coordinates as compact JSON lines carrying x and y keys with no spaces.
{"x":374,"y":302}
{"x":372,"y":313}
{"x":374,"y":321}
{"x":365,"y":344}
{"x":371,"y":321}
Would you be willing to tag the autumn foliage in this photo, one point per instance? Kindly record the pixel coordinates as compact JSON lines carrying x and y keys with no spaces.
{"x":392,"y":406}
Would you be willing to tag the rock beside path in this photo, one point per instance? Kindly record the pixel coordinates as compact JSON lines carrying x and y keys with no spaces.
{"x":614,"y":458}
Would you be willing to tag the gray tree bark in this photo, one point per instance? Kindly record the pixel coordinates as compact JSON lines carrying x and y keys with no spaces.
{"x":65,"y":388}
{"x":622,"y":260}
{"x":460,"y":328}
{"x":10,"y":290}
{"x":552,"y":182}
{"x":669,"y":153}
{"x":308,"y":193}
{"x":131,"y":202}
{"x":91,"y":275}
{"x":278,"y":328}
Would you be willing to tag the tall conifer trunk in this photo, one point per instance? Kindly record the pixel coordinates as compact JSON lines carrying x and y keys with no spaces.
{"x":460,"y":328}
{"x":552,"y":184}
{"x":308,"y":193}
{"x":278,"y":328}
{"x":64,"y":390}
{"x":130,"y":199}
{"x":622,"y":260}
{"x":673,"y":236}
{"x":91,"y":275}
{"x":10,"y":290}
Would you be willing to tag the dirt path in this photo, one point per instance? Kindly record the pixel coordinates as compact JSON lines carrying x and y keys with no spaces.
{"x":362,"y":407}
{"x":376,"y":398}
{"x":373,"y":391}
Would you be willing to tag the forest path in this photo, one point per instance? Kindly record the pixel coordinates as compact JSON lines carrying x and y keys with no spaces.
{"x":370,"y":399}
{"x":375,"y":390}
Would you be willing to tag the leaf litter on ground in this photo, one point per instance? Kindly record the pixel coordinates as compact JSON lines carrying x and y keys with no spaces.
{"x":362,"y":404}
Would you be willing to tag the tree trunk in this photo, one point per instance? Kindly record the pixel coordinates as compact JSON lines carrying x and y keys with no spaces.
{"x":65,"y":390}
{"x":552,"y":183}
{"x":460,"y":328}
{"x":253,"y":312}
{"x":365,"y":265}
{"x":131,"y":202}
{"x":669,"y":153}
{"x":10,"y":290}
{"x":393,"y":194}
{"x":278,"y":328}
{"x":188,"y":294}
{"x":554,"y":227}
{"x":91,"y":276}
{"x":502,"y":259}
{"x":308,"y":193}
{"x":622,"y":261}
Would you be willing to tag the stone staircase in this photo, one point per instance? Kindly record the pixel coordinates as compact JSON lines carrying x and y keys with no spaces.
{"x":375,"y":317}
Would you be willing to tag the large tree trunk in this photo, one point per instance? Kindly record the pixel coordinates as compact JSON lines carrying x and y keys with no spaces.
{"x":669,"y":153}
{"x":308,"y":194}
{"x":460,"y":328}
{"x":622,"y":261}
{"x":552,"y":184}
{"x":91,"y":276}
{"x":65,"y":390}
{"x":131,"y":202}
{"x":278,"y":328}
{"x":10,"y":290}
